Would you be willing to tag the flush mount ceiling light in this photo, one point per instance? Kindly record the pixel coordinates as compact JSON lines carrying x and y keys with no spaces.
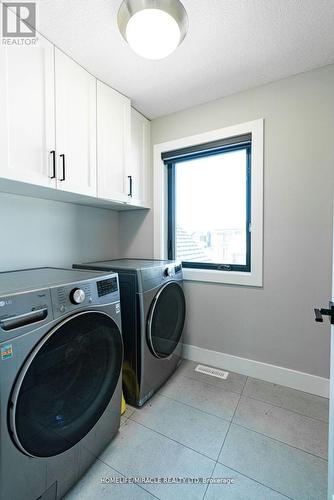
{"x":153,"y":28}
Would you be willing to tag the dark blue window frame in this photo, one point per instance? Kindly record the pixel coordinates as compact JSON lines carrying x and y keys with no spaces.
{"x":178,"y":158}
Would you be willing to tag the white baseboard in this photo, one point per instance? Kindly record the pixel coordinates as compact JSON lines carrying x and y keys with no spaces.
{"x":264,"y":371}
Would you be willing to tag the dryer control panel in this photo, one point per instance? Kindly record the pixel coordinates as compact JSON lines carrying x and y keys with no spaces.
{"x":155,"y":276}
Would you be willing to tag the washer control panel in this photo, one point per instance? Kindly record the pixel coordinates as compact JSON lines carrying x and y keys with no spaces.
{"x":104,"y":287}
{"x":68,"y":298}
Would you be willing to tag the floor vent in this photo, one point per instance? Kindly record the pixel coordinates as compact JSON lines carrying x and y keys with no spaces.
{"x":214,"y":372}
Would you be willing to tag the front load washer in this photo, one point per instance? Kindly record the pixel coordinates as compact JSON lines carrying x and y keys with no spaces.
{"x":153,"y":314}
{"x":61,"y":354}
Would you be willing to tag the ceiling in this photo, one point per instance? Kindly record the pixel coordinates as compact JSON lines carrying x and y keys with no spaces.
{"x":231,"y":45}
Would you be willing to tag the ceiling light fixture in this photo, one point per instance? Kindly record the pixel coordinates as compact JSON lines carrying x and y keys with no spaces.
{"x":153,"y":28}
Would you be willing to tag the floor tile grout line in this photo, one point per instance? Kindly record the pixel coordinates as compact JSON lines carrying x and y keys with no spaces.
{"x":125,"y":418}
{"x":284,"y":408}
{"x":252,"y":397}
{"x":222,"y":446}
{"x":243,"y":426}
{"x":229,"y":427}
{"x":279,"y":441}
{"x":194,"y":407}
{"x":173,"y":440}
{"x":207,"y":486}
{"x":206,"y":383}
{"x":255,"y":480}
{"x":116,"y":470}
{"x":230,"y":422}
{"x":247,"y":428}
{"x":244,"y":396}
{"x":254,"y":378}
{"x":132,"y":411}
{"x":243,"y":389}
{"x":193,"y":377}
{"x":265,"y":402}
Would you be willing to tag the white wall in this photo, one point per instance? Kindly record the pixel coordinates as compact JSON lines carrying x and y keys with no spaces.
{"x":37,"y":232}
{"x":273,"y":324}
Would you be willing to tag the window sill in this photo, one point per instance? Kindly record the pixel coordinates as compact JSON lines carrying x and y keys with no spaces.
{"x":222,"y":277}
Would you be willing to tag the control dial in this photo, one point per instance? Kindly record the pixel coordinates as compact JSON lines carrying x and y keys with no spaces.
{"x":168,"y":272}
{"x":77,"y":296}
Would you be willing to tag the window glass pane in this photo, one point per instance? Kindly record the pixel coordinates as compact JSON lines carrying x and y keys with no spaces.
{"x":210,"y":208}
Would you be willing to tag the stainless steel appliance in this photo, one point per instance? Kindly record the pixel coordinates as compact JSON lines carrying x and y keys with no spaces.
{"x":61,"y":356}
{"x":153,"y":314}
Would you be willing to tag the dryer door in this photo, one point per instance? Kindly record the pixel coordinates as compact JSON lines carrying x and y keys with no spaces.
{"x":66,"y":384}
{"x":166,"y":320}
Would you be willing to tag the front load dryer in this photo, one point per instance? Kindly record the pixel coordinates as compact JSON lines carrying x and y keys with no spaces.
{"x":61,"y":356}
{"x":153,"y":315}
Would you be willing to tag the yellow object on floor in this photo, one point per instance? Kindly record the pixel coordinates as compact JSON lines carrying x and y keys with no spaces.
{"x":123,"y":405}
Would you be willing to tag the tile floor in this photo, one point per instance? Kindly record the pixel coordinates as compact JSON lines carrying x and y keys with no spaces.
{"x":271,"y":440}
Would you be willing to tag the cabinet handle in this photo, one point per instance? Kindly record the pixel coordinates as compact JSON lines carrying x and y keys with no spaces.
{"x":64,"y":167}
{"x":130,"y":179}
{"x":53,"y":174}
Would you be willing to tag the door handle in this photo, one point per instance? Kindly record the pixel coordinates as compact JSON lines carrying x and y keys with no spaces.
{"x":23,"y":319}
{"x":319,"y":313}
{"x":62,"y":156}
{"x":53,"y":173}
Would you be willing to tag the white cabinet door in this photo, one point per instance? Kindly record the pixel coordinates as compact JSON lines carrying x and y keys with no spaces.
{"x":139,"y":163}
{"x":27,"y":127}
{"x":75,"y":126}
{"x":113,"y":143}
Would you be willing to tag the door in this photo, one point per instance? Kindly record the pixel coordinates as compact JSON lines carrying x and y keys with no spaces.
{"x":27,"y":126}
{"x":113,"y":143}
{"x":139,"y":163}
{"x":331,"y":404}
{"x":66,"y":384}
{"x":75,"y":126}
{"x":319,"y":316}
{"x":166,"y":320}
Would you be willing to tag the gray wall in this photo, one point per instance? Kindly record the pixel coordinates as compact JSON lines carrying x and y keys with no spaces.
{"x":274,"y":324}
{"x":136,"y":235}
{"x":38,"y":232}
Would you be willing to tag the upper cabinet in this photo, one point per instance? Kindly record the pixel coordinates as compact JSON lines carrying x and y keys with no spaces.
{"x":75,"y":126}
{"x":113,"y":143}
{"x":139,"y":160}
{"x":27,"y":122}
{"x":62,"y":129}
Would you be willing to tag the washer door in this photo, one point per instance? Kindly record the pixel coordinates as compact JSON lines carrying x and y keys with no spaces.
{"x":66,"y":384}
{"x":166,"y":320}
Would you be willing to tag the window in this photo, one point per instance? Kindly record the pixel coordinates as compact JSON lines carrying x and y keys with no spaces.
{"x":209,"y":205}
{"x":208,"y":191}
